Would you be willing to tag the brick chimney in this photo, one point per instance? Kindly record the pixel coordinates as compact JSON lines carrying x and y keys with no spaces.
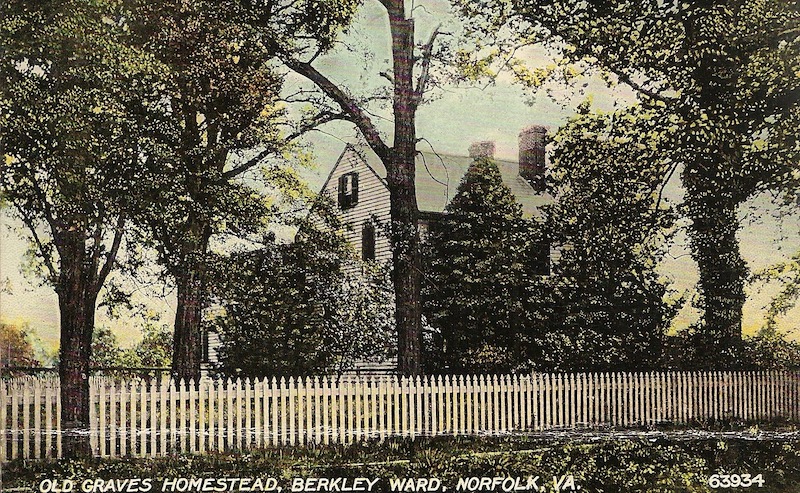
{"x":531,"y":156}
{"x":483,"y":148}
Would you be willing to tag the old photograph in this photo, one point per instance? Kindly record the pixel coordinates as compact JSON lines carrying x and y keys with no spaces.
{"x":375,"y":246}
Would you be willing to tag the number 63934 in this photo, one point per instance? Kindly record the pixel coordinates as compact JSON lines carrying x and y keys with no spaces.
{"x":735,"y":481}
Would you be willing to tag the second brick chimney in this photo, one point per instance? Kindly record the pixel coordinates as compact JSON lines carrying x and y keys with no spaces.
{"x":531,"y":156}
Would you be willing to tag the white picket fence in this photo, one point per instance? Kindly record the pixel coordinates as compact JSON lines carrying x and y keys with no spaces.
{"x":137,"y":418}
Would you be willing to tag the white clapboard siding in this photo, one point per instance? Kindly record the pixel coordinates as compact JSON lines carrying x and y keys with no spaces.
{"x":372,"y":205}
{"x":158,"y":416}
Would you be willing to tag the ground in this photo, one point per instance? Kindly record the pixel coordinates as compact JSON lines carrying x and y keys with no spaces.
{"x":653,"y":461}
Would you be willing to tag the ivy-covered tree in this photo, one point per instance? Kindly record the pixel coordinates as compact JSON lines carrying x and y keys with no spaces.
{"x":481,"y":258}
{"x":73,"y":99}
{"x":608,"y":307}
{"x":725,"y":70}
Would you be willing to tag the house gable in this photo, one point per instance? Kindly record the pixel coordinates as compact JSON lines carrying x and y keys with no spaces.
{"x":371,"y":206}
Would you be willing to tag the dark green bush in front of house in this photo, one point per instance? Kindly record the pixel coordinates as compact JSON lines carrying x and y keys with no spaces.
{"x":641,"y":463}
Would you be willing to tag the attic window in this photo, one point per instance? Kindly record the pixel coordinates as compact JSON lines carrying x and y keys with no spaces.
{"x":368,"y":242}
{"x":348,"y":190}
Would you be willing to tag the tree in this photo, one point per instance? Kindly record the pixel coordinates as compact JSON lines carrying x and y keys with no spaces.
{"x":608,"y":305}
{"x":481,"y":257}
{"x":218,"y":127}
{"x":300,"y":309}
{"x":73,"y":97}
{"x":726,"y":71}
{"x":105,"y":348}
{"x":217,"y":100}
{"x":155,"y":348}
{"x":407,"y":92}
{"x":15,"y":347}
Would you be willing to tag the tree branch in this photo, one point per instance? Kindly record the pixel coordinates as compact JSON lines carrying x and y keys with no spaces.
{"x":48,"y":261}
{"x":625,"y":78}
{"x":98,"y":237}
{"x":422,"y":80}
{"x":319,"y":119}
{"x":386,"y":75}
{"x":348,"y":104}
{"x":112,"y":254}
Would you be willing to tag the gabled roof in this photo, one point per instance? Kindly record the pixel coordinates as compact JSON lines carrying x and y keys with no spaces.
{"x":438,"y":177}
{"x":350,"y":150}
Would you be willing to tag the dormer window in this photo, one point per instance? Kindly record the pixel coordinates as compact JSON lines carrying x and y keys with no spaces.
{"x":348,"y":190}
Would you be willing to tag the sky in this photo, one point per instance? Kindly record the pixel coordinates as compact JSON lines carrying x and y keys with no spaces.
{"x":455,"y":118}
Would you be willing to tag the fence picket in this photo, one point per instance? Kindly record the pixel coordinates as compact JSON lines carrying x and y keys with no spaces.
{"x":328,"y":423}
{"x":153,"y":417}
{"x":236,"y":412}
{"x":3,"y":423}
{"x":37,"y":418}
{"x":124,"y":414}
{"x":274,"y":392}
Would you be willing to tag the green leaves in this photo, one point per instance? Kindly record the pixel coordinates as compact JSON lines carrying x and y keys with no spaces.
{"x":611,"y":225}
{"x":480,"y":258}
{"x":301,"y":309}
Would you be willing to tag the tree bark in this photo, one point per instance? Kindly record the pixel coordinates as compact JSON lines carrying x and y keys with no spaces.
{"x":187,"y":351}
{"x":77,"y":297}
{"x":191,"y":285}
{"x":399,"y":160}
{"x":403,"y":199}
{"x":723,"y":271}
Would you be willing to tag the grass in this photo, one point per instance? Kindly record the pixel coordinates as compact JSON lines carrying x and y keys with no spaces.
{"x":647,"y":462}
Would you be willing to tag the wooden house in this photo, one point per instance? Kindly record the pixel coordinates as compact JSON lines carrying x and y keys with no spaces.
{"x":358,"y":186}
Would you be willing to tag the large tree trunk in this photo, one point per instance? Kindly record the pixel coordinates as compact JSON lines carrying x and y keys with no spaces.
{"x":190,"y":280}
{"x":77,"y":297}
{"x":399,"y":161}
{"x":404,"y":213}
{"x":715,"y":187}
{"x":715,"y":248}
{"x":187,"y":350}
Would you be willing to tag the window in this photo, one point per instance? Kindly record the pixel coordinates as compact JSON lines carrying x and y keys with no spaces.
{"x":348,"y":190}
{"x":368,"y":242}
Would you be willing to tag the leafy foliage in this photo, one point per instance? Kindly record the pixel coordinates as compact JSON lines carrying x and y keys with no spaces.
{"x":71,"y":124}
{"x":300,"y":309}
{"x":607,"y":305}
{"x":727,"y":74}
{"x":787,"y":274}
{"x":105,"y":348}
{"x":480,"y":258}
{"x":767,"y":350}
{"x":15,"y":347}
{"x":154,"y":350}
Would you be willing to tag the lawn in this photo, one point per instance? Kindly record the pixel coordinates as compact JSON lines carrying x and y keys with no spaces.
{"x":606,"y":462}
